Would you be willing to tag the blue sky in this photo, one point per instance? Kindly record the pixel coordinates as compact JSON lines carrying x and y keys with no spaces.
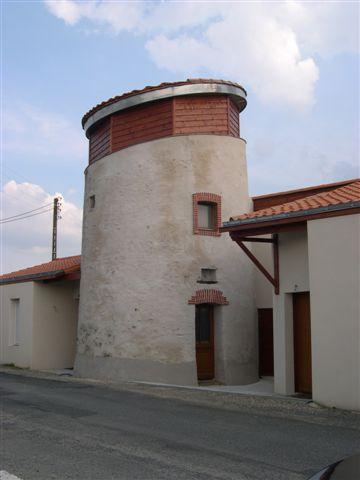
{"x":298,"y":61}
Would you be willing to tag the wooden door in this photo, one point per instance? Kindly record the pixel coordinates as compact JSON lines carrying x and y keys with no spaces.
{"x":204,"y":330}
{"x":266,"y":342}
{"x":302,"y":342}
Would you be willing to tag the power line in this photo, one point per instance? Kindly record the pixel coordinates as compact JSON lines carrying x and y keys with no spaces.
{"x":30,"y":198}
{"x":28,"y":216}
{"x":25,"y":213}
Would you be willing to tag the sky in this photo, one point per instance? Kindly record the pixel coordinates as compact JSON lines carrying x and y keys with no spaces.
{"x":299,"y":62}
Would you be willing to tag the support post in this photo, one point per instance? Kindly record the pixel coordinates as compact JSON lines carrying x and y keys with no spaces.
{"x":275,"y":238}
{"x":54,"y":230}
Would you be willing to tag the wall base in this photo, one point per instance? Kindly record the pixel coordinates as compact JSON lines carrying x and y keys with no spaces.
{"x":125,"y":369}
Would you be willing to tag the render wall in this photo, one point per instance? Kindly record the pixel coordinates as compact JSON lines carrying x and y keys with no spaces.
{"x":141,"y":262}
{"x":19,"y":355}
{"x":55,"y":325}
{"x":334,"y":254}
{"x":294,"y":277}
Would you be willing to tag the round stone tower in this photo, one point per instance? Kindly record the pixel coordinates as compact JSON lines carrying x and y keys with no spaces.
{"x":164,"y":296}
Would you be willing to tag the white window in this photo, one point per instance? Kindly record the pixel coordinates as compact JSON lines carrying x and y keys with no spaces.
{"x":206,"y":215}
{"x":14,"y":322}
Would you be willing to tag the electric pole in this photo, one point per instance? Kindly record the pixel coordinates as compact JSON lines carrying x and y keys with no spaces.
{"x":56,"y":213}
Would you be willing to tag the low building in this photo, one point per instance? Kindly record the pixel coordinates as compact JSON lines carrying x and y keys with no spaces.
{"x":39,"y":312}
{"x":315,"y":238}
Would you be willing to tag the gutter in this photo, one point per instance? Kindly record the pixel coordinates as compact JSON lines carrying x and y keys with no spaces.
{"x":290,"y":215}
{"x":32,"y":277}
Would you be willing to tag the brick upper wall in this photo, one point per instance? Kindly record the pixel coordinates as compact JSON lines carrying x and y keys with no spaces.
{"x":196,"y":114}
{"x":99,"y":142}
{"x":140,"y":124}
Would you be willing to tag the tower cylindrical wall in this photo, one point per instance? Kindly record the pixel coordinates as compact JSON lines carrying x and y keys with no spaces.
{"x":141,"y":262}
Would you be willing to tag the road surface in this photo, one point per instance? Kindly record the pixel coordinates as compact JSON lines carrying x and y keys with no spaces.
{"x":66,"y":429}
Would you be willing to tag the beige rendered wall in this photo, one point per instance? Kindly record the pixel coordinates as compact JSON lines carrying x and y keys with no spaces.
{"x":20,"y":354}
{"x":55,"y":324}
{"x":294,"y":277}
{"x":334,"y":253}
{"x":141,"y":262}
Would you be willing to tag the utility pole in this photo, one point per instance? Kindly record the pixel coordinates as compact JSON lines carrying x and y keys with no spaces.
{"x":56,"y":212}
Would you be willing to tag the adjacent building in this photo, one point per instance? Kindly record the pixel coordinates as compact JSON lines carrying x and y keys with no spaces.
{"x":39,"y":313}
{"x":309,"y":299}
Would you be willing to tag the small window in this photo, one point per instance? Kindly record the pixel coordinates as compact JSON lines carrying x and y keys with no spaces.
{"x":206,"y":215}
{"x":92,"y":201}
{"x":14,"y":322}
{"x":208,"y":275}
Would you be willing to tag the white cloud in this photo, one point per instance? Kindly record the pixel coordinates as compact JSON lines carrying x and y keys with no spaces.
{"x":268,"y":46}
{"x":28,"y":242}
{"x":67,"y":10}
{"x":30,"y":129}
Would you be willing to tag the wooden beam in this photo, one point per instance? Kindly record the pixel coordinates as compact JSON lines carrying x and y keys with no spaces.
{"x":256,"y":262}
{"x":254,"y":239}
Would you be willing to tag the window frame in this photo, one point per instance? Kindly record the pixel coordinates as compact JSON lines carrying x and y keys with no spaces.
{"x":214,"y":200}
{"x":14,"y":322}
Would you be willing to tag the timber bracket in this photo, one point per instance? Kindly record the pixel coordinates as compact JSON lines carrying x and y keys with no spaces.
{"x":274,"y":240}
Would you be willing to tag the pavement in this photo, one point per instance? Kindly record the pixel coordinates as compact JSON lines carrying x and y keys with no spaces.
{"x":65,"y":428}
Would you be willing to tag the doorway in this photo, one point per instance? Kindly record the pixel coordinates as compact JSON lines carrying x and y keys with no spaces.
{"x":204,"y":335}
{"x":266,"y":342}
{"x":302,"y":342}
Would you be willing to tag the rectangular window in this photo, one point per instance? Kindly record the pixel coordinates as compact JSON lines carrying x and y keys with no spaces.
{"x":92,"y":201}
{"x":14,"y":322}
{"x":206,"y":215}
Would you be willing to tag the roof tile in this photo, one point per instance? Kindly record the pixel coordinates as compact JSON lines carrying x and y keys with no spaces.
{"x":65,"y":263}
{"x":338,"y":196}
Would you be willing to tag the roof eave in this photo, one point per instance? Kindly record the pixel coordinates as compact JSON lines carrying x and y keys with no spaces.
{"x":101,"y":111}
{"x":291,"y":217}
{"x":36,"y":277}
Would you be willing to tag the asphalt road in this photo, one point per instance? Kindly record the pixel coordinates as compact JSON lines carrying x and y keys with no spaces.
{"x":53,"y":429}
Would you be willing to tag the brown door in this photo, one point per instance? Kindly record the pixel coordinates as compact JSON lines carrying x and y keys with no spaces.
{"x":266,"y":342}
{"x":302,"y":342}
{"x":204,"y":330}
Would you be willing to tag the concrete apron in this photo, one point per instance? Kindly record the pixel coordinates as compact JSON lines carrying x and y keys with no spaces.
{"x":263,"y":388}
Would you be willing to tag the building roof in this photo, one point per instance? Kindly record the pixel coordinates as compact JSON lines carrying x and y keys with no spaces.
{"x":339,"y":200}
{"x":261,"y":202}
{"x":54,"y":269}
{"x":161,"y":86}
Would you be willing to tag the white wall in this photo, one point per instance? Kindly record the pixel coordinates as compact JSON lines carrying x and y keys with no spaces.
{"x":141,"y":262}
{"x":294,"y":277}
{"x":334,"y":253}
{"x":20,"y":354}
{"x":55,"y":324}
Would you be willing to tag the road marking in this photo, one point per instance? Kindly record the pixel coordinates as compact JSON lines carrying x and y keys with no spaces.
{"x":4,"y":475}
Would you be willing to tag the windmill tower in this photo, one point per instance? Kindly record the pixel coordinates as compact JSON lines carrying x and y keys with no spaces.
{"x":164,"y":296}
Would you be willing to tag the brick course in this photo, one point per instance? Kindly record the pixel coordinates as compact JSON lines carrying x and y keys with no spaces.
{"x":210,"y":295}
{"x":187,"y":115}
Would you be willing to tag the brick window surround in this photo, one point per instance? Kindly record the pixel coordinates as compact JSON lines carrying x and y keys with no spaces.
{"x":213,"y":199}
{"x":211,"y":296}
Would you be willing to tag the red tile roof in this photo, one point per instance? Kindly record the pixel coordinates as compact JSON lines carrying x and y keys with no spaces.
{"x":150,"y":88}
{"x":62,"y":265}
{"x":343,"y":196}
